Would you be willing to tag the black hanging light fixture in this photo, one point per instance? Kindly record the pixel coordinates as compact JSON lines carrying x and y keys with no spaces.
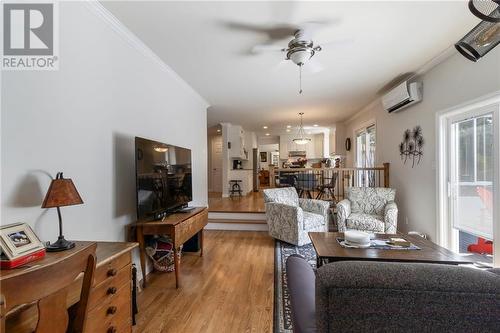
{"x":484,"y":36}
{"x":486,"y":10}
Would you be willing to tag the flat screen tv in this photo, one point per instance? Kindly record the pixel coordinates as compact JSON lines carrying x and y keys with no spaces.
{"x":163,"y":178}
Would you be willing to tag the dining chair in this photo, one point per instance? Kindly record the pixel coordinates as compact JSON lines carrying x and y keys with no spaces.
{"x":328,"y":188}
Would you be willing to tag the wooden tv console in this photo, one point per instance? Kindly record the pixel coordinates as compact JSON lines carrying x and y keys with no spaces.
{"x":180,"y":227}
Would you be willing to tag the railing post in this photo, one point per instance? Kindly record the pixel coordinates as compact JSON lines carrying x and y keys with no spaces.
{"x":272,"y":180}
{"x":386,"y":174}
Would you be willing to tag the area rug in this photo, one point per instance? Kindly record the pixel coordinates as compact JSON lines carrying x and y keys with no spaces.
{"x":282,"y":313}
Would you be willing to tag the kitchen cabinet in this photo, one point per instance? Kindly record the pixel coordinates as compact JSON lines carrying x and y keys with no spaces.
{"x":317,"y":146}
{"x":314,"y":149}
{"x":236,"y":136}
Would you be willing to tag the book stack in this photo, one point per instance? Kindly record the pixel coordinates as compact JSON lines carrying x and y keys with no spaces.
{"x":6,"y":263}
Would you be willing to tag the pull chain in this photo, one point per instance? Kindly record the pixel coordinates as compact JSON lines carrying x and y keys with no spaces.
{"x":300,"y":79}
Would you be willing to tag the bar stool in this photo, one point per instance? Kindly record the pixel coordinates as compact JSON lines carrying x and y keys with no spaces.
{"x":235,"y":187}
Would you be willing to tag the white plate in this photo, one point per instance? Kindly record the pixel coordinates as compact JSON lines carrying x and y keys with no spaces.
{"x":355,"y":245}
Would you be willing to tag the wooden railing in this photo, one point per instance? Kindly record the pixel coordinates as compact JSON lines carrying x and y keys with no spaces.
{"x":329,"y":183}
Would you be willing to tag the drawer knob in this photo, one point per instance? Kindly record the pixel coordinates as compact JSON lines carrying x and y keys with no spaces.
{"x":111,"y":329}
{"x":112,"y":272}
{"x":111,"y":291}
{"x":111,"y":310}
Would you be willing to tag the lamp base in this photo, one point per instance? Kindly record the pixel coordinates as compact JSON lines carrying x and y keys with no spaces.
{"x":60,"y":245}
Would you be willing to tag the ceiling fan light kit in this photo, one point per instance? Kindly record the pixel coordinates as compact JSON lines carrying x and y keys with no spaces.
{"x":301,"y":138}
{"x":300,"y":50}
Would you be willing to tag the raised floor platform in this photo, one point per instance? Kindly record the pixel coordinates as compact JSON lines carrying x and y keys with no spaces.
{"x":253,"y":202}
{"x":237,"y":213}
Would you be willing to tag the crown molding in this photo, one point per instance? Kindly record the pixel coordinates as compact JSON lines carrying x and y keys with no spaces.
{"x":131,"y":39}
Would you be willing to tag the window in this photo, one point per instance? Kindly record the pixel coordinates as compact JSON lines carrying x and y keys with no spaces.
{"x":468,"y":179}
{"x":365,"y":155}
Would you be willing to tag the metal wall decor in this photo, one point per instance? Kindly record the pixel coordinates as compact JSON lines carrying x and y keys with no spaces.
{"x":412,"y":147}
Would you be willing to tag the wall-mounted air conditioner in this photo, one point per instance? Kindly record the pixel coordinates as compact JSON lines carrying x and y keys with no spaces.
{"x":402,"y":96}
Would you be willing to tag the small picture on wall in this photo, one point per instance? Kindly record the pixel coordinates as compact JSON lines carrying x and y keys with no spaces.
{"x":17,"y":240}
{"x":263,"y":157}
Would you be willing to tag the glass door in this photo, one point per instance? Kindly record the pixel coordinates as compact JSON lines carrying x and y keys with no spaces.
{"x":365,"y":155}
{"x":471,"y":170}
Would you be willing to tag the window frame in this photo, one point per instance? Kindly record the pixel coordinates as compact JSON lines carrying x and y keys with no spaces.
{"x":446,"y":235}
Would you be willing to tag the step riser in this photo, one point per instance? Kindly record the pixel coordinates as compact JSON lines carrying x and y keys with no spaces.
{"x":237,"y":216}
{"x":237,"y":221}
{"x":236,"y":226}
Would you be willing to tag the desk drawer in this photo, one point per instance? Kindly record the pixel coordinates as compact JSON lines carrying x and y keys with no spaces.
{"x":114,"y":315}
{"x":109,"y":287}
{"x":190,"y":227}
{"x":110,"y":269}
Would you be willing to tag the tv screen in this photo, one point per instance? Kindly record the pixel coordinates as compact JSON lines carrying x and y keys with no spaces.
{"x":163,"y":178}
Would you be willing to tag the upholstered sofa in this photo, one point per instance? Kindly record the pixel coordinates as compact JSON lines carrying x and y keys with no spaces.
{"x":362,"y":296}
{"x":290,"y":218}
{"x":369,"y":209}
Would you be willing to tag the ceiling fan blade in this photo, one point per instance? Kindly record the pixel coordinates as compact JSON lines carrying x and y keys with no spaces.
{"x":262,"y":48}
{"x":273,"y":32}
{"x":309,"y":28}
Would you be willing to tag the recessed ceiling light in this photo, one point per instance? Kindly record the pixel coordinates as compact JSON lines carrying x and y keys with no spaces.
{"x":288,"y":130}
{"x":264,"y":127}
{"x":315,"y":125}
{"x":288,"y":126}
{"x":218,"y":131}
{"x":267,"y":134}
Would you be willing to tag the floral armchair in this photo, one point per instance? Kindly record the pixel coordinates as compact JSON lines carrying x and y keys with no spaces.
{"x":369,"y":209}
{"x":290,"y":218}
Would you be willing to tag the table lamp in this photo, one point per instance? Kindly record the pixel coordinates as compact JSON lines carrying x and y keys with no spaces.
{"x":61,"y":192}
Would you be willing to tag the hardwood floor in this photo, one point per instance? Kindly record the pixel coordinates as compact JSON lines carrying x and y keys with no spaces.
{"x":253,"y":202}
{"x":229,"y":289}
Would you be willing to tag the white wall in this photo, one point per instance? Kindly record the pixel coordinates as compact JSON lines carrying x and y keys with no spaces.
{"x":452,"y":82}
{"x":82,"y":120}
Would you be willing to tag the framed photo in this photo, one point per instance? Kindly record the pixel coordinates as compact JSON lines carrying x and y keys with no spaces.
{"x":263,"y":156}
{"x":18,"y":240}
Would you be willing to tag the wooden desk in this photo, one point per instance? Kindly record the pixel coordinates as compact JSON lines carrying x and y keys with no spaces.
{"x":111,"y":290}
{"x":179,"y":227}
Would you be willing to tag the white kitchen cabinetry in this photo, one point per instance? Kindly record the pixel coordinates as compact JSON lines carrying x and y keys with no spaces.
{"x":236,"y":136}
{"x":284,"y":146}
{"x":317,"y":144}
{"x":313,"y":149}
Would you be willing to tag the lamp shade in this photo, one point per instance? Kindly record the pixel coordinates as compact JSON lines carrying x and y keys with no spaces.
{"x":61,"y":192}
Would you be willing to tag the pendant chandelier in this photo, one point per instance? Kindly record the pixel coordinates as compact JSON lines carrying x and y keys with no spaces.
{"x":301,"y":138}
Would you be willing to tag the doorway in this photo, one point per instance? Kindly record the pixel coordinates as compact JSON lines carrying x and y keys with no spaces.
{"x":216,"y":164}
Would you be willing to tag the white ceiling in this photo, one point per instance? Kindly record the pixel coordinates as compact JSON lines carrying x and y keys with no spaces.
{"x":388,"y":39}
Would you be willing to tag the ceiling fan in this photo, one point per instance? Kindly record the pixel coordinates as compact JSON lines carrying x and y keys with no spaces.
{"x":300,"y":49}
